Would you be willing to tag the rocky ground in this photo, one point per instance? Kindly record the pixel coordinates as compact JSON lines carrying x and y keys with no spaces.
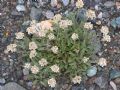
{"x":16,"y":14}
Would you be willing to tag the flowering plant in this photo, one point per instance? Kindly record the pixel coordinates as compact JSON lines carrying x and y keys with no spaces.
{"x":55,"y":47}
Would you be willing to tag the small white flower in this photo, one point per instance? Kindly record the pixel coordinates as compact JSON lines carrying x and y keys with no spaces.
{"x":104,"y":30}
{"x":55,"y":68}
{"x":33,"y":53}
{"x":88,"y":25}
{"x":43,"y":62}
{"x":51,"y":36}
{"x":102,"y":62}
{"x":34,"y":69}
{"x":19,"y":35}
{"x":74,"y":36}
{"x":12,"y":47}
{"x":52,"y":82}
{"x":27,"y":66}
{"x":106,"y":38}
{"x":76,"y":79}
{"x":65,"y":23}
{"x":91,"y":14}
{"x":79,"y":4}
{"x":85,"y":59}
{"x":32,"y":46}
{"x":57,"y":18}
{"x":54,"y":49}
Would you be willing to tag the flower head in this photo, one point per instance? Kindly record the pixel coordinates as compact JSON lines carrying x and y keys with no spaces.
{"x":52,"y":82}
{"x":104,"y":30}
{"x":79,"y":4}
{"x":34,"y":69}
{"x":27,"y":65}
{"x":19,"y":35}
{"x":32,"y":46}
{"x":65,"y":23}
{"x":43,"y":62}
{"x":33,"y":53}
{"x":88,"y":25}
{"x":11,"y":47}
{"x":76,"y":79}
{"x":74,"y":36}
{"x":54,"y":49}
{"x":51,"y":36}
{"x":91,"y":14}
{"x":55,"y":68}
{"x":57,"y":18}
{"x":106,"y":38}
{"x":102,"y":62}
{"x":85,"y":59}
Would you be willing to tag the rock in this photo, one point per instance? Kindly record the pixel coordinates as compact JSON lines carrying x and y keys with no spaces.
{"x":100,"y":15}
{"x":35,"y":14}
{"x":115,"y":22}
{"x":101,"y":82}
{"x":49,"y":14}
{"x":109,"y":4}
{"x":65,"y":2}
{"x":16,"y":14}
{"x":21,"y":1}
{"x":91,"y":71}
{"x":78,"y":87}
{"x":113,"y":85}
{"x":25,"y":71}
{"x":20,"y":8}
{"x":12,"y":86}
{"x":81,"y":15}
{"x":2,"y":81}
{"x":114,"y":73}
{"x":54,"y":3}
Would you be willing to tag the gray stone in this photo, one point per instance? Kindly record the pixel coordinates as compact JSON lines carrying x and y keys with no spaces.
{"x":101,"y":82}
{"x":91,"y":71}
{"x":49,"y":14}
{"x":21,"y":1}
{"x":20,"y":8}
{"x":65,"y":2}
{"x":2,"y":81}
{"x":25,"y":71}
{"x":12,"y":86}
{"x":54,"y":3}
{"x":35,"y":13}
{"x":114,"y":73}
{"x":109,"y":4}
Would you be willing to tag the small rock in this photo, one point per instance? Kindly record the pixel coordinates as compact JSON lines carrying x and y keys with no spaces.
{"x":20,"y":8}
{"x":65,"y":2}
{"x":54,"y":3}
{"x":21,"y":1}
{"x":49,"y":14}
{"x":113,"y":85}
{"x":35,"y":14}
{"x":2,"y":81}
{"x":25,"y":71}
{"x":91,"y":71}
{"x":12,"y":86}
{"x":114,"y":73}
{"x":100,"y":15}
{"x":78,"y":87}
{"x":109,"y":4}
{"x":101,"y":82}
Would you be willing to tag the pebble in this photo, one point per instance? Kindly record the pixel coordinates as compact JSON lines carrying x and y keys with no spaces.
{"x":91,"y":71}
{"x":101,"y":81}
{"x":65,"y":2}
{"x":114,"y":73}
{"x":2,"y":81}
{"x":20,"y":8}
{"x":109,"y":4}
{"x":25,"y":71}
{"x":49,"y":14}
{"x":100,"y":15}
{"x":54,"y":3}
{"x":36,"y":13}
{"x":12,"y":86}
{"x":21,"y":1}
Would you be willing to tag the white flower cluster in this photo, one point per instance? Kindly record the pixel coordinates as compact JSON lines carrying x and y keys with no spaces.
{"x":74,"y":36}
{"x":102,"y":62}
{"x":11,"y":47}
{"x":34,"y":69}
{"x":76,"y":79}
{"x":88,"y":25}
{"x":43,"y":62}
{"x":91,"y":14}
{"x":105,"y":32}
{"x":85,"y":59}
{"x":55,"y":68}
{"x":79,"y":4}
{"x":52,"y":82}
{"x":54,"y":49}
{"x":19,"y":35}
{"x":65,"y":23}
